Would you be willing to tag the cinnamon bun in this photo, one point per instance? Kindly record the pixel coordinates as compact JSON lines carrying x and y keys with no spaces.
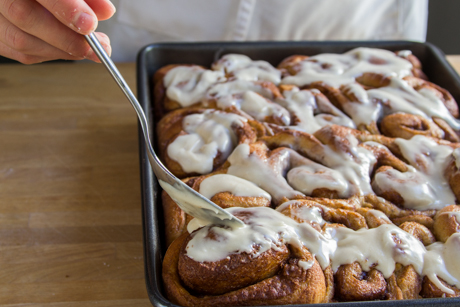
{"x":343,"y":167}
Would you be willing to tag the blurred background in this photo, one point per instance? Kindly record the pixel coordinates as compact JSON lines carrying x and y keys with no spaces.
{"x":443,"y":26}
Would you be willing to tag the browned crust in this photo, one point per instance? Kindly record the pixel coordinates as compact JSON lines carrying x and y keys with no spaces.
{"x":444,"y":224}
{"x":291,"y":285}
{"x":276,"y":277}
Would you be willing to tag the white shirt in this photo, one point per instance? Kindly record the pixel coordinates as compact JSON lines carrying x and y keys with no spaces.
{"x":140,"y":22}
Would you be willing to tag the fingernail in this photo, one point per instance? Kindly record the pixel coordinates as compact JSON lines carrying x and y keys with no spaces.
{"x":85,"y":23}
{"x":113,"y":6}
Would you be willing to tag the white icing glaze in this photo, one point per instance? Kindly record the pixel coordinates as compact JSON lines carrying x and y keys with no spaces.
{"x":306,"y":265}
{"x":354,"y":165}
{"x":381,"y":247}
{"x":260,"y":108}
{"x":379,"y":61}
{"x":380,"y":215}
{"x":209,"y":132}
{"x":413,"y":187}
{"x":404,"y":53}
{"x":264,"y":229}
{"x":188,"y":84}
{"x":224,"y":91}
{"x":399,"y":96}
{"x":339,"y":69}
{"x":348,"y":173}
{"x":364,"y":110}
{"x":307,"y":178}
{"x":342,"y":69}
{"x":242,"y":67}
{"x":450,"y":254}
{"x":229,"y":183}
{"x":424,"y":186}
{"x":455,"y":214}
{"x":250,"y":97}
{"x":442,"y":261}
{"x":303,"y":104}
{"x":268,"y":177}
{"x":430,"y":159}
{"x":313,"y":70}
{"x":312,"y":214}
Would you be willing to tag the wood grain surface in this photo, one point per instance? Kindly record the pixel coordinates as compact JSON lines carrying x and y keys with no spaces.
{"x":70,"y":199}
{"x":454,"y":60}
{"x":70,"y":202}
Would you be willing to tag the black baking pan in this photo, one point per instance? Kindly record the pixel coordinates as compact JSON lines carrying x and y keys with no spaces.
{"x":154,"y":56}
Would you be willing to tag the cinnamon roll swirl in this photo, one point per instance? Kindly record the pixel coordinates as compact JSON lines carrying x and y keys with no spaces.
{"x":343,"y":167}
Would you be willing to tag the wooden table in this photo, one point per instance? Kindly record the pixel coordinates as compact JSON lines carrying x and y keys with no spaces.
{"x":70,"y":199}
{"x":454,"y":61}
{"x":70,"y":202}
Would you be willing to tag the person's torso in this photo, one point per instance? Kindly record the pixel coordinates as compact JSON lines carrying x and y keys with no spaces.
{"x":245,"y":20}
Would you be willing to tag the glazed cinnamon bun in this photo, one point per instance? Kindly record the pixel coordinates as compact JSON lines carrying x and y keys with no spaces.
{"x":343,"y":167}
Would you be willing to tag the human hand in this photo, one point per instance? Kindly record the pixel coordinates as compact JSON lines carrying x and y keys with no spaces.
{"x":34,"y":31}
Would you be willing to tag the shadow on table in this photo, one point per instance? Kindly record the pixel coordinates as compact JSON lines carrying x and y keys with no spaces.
{"x":4,"y":60}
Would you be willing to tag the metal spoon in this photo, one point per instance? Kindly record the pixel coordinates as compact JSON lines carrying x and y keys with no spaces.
{"x":186,"y":198}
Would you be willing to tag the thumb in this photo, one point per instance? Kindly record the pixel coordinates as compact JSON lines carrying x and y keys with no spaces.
{"x":75,"y":14}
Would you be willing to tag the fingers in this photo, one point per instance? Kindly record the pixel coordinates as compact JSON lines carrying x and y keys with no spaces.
{"x":15,"y":55}
{"x":104,"y":9}
{"x":30,"y":29}
{"x":80,"y":16}
{"x":27,"y":49}
{"x":24,"y":47}
{"x":105,"y":42}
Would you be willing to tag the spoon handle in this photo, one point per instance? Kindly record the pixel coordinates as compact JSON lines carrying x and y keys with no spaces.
{"x":186,"y":198}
